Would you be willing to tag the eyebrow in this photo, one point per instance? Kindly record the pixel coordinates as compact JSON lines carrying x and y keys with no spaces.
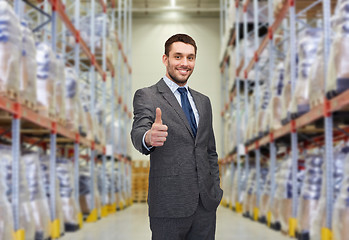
{"x":179,"y":53}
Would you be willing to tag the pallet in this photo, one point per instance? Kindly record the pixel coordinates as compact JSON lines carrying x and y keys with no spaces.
{"x":11,"y":94}
{"x":29,"y":104}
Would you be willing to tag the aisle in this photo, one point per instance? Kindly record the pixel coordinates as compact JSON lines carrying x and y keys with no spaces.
{"x":133,"y":224}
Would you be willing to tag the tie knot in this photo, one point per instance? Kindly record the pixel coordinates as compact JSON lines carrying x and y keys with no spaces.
{"x":182,"y":90}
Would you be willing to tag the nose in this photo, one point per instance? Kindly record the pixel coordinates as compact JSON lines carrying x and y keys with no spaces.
{"x":184,"y":61}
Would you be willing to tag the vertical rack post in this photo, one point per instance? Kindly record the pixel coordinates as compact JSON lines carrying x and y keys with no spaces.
{"x":93,"y":214}
{"x":77,"y":141}
{"x":272,"y":148}
{"x":326,"y":232}
{"x":294,"y":137}
{"x":53,"y":142}
{"x":221,"y":20}
{"x":237,"y":62}
{"x":120,"y":92}
{"x":104,"y":212}
{"x":256,"y":93}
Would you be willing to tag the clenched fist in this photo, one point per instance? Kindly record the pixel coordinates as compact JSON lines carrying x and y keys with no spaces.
{"x":158,"y":132}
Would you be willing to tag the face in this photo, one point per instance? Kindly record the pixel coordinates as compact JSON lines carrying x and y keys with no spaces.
{"x":180,"y":62}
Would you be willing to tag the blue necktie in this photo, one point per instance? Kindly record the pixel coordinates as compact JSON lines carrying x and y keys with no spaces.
{"x":187,"y":109}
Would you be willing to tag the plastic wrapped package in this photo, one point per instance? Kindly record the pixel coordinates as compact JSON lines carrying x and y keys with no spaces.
{"x":6,"y":219}
{"x":229,"y":141}
{"x":338,"y":69}
{"x":115,"y":182}
{"x":46,"y":79}
{"x":310,"y":193}
{"x":100,"y":115}
{"x":85,"y":99}
{"x":10,"y":49}
{"x":28,"y":67}
{"x":341,"y":206}
{"x":85,"y":198}
{"x":26,"y":219}
{"x":278,"y":4}
{"x":285,"y":189}
{"x":253,"y":202}
{"x":307,"y":52}
{"x":45,"y":168}
{"x":100,"y":182}
{"x":275,"y":107}
{"x":247,"y":203}
{"x":71,"y":104}
{"x":340,"y":154}
{"x":263,"y":110}
{"x":70,"y":207}
{"x":236,"y":197}
{"x":286,"y":95}
{"x":119,"y":131}
{"x":37,"y":196}
{"x":265,"y":194}
{"x":227,"y":182}
{"x":60,"y":89}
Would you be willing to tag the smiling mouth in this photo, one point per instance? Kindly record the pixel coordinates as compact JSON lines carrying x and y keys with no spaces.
{"x":183,"y":71}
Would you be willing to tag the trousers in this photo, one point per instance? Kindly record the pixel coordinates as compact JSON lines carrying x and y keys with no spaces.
{"x":200,"y":226}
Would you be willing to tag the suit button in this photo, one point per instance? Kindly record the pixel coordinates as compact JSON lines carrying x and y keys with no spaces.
{"x":196,"y":169}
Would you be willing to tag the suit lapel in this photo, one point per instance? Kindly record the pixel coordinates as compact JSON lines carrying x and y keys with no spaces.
{"x":171,"y":99}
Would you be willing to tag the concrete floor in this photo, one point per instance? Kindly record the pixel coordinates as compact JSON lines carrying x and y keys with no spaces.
{"x":133,"y":224}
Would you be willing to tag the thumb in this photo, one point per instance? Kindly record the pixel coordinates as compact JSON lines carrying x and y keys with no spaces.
{"x":158,"y":116}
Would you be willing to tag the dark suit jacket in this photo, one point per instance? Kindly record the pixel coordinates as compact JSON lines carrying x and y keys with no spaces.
{"x":184,"y":167}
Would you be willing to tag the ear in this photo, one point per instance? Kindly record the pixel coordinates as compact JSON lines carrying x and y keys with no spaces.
{"x":164,"y":59}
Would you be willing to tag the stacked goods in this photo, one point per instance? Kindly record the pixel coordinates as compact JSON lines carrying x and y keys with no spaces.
{"x":37,"y":196}
{"x":338,"y":69}
{"x":45,"y":169}
{"x":140,"y":182}
{"x":275,"y":201}
{"x":341,"y":206}
{"x":286,"y":95}
{"x":26,"y":219}
{"x":236,"y":197}
{"x":10,"y":50}
{"x":307,"y":49}
{"x":275,"y":106}
{"x":115,"y":183}
{"x":71,"y":100}
{"x":28,"y":67}
{"x":70,"y":207}
{"x":310,"y":193}
{"x":262,"y":114}
{"x":100,"y":115}
{"x":254,"y":203}
{"x":85,"y":189}
{"x":101,"y":185}
{"x":85,"y":100}
{"x":6,"y":219}
{"x":319,"y":221}
{"x":60,"y":89}
{"x":278,"y":4}
{"x":265,"y":194}
{"x":227,"y":176}
{"x":285,"y":189}
{"x":248,"y":198}
{"x":46,"y":79}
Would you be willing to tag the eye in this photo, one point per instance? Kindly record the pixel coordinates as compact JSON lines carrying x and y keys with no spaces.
{"x":191,"y":58}
{"x":177,"y":57}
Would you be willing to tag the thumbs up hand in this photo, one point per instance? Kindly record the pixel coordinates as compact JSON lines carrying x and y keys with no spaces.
{"x":156,"y":137}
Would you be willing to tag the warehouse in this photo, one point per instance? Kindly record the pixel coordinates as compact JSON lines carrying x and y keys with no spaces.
{"x":277,"y":76}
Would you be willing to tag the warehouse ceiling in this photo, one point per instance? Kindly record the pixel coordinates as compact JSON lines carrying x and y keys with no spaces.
{"x":188,"y":8}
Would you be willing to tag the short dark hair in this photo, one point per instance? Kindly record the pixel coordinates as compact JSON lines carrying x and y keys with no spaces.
{"x":179,"y":38}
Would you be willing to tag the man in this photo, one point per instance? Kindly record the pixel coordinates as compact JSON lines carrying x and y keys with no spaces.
{"x":173,"y":124}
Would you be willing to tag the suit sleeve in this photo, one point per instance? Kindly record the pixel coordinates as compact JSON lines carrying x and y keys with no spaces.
{"x":212,"y":153}
{"x":144,"y":117}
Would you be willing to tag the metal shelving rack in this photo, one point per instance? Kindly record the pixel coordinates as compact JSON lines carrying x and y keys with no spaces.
{"x":58,"y":16}
{"x":291,"y":10}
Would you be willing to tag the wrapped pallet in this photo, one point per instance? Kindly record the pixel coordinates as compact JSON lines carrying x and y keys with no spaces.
{"x":70,"y":207}
{"x":85,"y":193}
{"x":265,"y":192}
{"x":28,"y":67}
{"x":37,"y":196}
{"x":341,"y":206}
{"x":227,"y":179}
{"x":262,"y":114}
{"x":275,"y":106}
{"x":310,"y":193}
{"x":85,"y":99}
{"x":71,"y":99}
{"x":10,"y":50}
{"x":248,"y":198}
{"x":319,"y":221}
{"x":338,"y":68}
{"x":60,"y":89}
{"x":243,"y":179}
{"x":46,"y":80}
{"x":26,"y":218}
{"x":45,"y":168}
{"x":6,"y":219}
{"x":307,"y":49}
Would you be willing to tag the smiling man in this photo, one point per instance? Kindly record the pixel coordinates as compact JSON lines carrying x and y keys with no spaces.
{"x":173,"y":123}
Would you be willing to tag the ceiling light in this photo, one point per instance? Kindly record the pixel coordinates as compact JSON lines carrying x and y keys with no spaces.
{"x":173,"y":3}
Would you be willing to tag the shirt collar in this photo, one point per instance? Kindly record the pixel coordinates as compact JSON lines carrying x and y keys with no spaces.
{"x":172,"y":85}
